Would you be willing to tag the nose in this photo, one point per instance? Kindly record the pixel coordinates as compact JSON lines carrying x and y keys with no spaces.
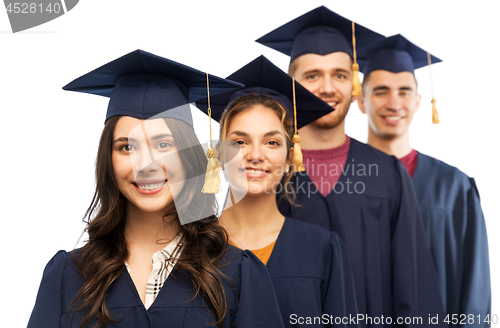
{"x":143,"y":161}
{"x":394,"y":102}
{"x":255,"y":154}
{"x":327,"y":85}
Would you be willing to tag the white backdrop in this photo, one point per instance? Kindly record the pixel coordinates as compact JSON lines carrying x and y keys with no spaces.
{"x":50,"y":136}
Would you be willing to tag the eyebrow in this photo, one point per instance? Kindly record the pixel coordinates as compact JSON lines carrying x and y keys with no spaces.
{"x":312,"y":71}
{"x":156,"y":137}
{"x":239,"y":133}
{"x":317,"y":71}
{"x":123,"y":139}
{"x":244,"y":134}
{"x":380,"y":88}
{"x":161,"y":136}
{"x":385,"y":88}
{"x":272,"y":133}
{"x":341,"y":70}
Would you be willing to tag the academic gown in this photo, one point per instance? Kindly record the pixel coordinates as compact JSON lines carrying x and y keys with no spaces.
{"x":456,"y":231}
{"x":374,"y":210}
{"x":312,"y":277}
{"x":251,"y":301}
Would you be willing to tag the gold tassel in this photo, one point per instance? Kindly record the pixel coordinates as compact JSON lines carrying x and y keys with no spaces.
{"x":298,"y":165}
{"x":435,"y":116}
{"x":212,"y":177}
{"x":297,"y":159}
{"x":356,"y":84}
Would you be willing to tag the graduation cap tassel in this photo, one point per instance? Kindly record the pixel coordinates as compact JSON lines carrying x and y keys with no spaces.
{"x":212,"y":177}
{"x":356,"y":84}
{"x":297,"y":160}
{"x":435,"y":116}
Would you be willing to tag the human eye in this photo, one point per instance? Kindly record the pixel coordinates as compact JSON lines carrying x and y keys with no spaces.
{"x":311,"y":76}
{"x":164,"y":145}
{"x":274,"y":143}
{"x":380,"y":93}
{"x":238,"y":143}
{"x":126,"y":148}
{"x":340,"y":76}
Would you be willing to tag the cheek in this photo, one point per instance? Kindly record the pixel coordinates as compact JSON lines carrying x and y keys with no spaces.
{"x":310,"y":85}
{"x":120,"y":167}
{"x":174,"y":169}
{"x":278,"y":158}
{"x":375,"y":106}
{"x":412,"y":107}
{"x":344,"y":87}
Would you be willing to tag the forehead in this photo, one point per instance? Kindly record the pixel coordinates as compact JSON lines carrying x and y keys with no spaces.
{"x":390,"y":79}
{"x":332,"y":61}
{"x":136,"y":128}
{"x":256,"y":120}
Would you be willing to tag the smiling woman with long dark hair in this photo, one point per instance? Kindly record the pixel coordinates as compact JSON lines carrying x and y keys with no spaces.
{"x":155,"y":255}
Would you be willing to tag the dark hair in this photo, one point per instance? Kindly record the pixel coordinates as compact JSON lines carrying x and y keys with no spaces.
{"x":101,"y":260}
{"x":247,"y":102}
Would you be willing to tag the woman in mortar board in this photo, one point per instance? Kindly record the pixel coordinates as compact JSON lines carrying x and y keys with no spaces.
{"x":156,"y":255}
{"x":308,"y":265}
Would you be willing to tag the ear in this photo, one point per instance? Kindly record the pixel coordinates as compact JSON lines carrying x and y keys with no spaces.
{"x":361,"y":105}
{"x":355,"y":98}
{"x":219,"y":157}
{"x":289,"y":157}
{"x":418,"y":100}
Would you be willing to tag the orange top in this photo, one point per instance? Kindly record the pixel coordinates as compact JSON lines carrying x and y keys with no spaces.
{"x":263,"y":254}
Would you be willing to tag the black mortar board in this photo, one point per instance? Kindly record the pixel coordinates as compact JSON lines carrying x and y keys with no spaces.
{"x":143,"y":85}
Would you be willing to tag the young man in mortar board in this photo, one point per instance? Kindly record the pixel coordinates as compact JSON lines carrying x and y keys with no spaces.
{"x":449,"y":200}
{"x":361,"y":193}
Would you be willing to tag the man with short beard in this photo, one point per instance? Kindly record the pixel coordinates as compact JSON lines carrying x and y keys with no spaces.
{"x":449,"y":200}
{"x":351,"y":188}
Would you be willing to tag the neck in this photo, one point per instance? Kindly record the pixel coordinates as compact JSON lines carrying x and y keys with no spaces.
{"x":314,"y":138}
{"x":149,"y":232}
{"x":254,"y":222}
{"x":398,"y":146}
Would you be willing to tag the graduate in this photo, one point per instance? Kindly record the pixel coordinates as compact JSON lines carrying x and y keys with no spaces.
{"x":351,"y":188}
{"x":155,"y":256}
{"x":308,"y":265}
{"x":449,"y":200}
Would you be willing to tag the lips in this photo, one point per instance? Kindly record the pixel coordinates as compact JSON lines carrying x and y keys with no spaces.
{"x":149,"y":187}
{"x":331,"y":102}
{"x":392,"y":119}
{"x":253,"y":172}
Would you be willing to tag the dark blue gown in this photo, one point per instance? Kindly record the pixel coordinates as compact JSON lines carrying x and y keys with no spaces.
{"x":452,"y":215}
{"x":312,"y":277}
{"x":251,"y":300}
{"x":374,"y":210}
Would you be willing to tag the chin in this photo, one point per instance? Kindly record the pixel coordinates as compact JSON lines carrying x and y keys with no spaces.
{"x":331,"y":120}
{"x":326,"y":122}
{"x":388,"y":135}
{"x":259,"y":190}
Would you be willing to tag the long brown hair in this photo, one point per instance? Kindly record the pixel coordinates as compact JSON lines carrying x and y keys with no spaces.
{"x":246,"y":102}
{"x":101,"y":260}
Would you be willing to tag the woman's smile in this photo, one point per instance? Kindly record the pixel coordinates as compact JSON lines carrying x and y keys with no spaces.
{"x":150,"y":187}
